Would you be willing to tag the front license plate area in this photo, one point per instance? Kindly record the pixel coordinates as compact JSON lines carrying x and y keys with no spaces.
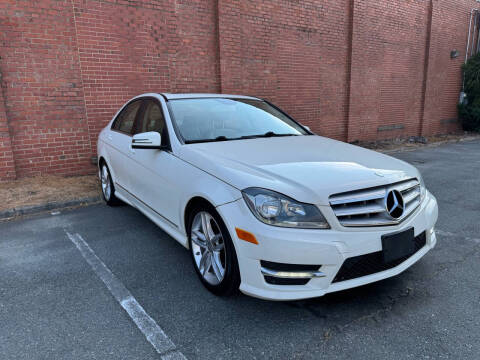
{"x":398,"y":245}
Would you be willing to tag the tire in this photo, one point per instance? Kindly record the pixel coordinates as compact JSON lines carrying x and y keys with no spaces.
{"x":214,"y":260}
{"x":106,"y":183}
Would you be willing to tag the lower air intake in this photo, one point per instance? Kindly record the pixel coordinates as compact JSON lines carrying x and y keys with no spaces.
{"x":372,"y":263}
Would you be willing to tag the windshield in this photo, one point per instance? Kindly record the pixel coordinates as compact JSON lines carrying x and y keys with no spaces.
{"x":221,"y":119}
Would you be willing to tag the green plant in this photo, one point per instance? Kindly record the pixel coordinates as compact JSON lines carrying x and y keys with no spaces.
{"x":469,"y":111}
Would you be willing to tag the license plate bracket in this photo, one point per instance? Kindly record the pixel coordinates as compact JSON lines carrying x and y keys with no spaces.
{"x":398,"y":245}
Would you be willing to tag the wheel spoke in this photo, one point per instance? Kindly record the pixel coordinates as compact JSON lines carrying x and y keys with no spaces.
{"x":211,"y":234}
{"x":217,"y":269}
{"x":105,"y":183}
{"x":216,"y":244}
{"x":197,"y":223}
{"x":199,"y":239}
{"x":203,"y":260}
{"x":208,"y":263}
{"x":205,"y":226}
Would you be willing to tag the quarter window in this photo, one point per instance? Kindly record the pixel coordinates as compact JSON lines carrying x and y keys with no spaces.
{"x":124,"y":122}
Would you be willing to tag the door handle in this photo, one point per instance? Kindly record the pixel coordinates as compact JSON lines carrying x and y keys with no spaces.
{"x":109,"y":137}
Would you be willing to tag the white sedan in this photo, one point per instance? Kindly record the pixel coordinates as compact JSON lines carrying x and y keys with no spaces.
{"x":263,"y":204}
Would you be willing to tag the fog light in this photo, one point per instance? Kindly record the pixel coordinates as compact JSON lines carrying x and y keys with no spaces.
{"x":292,"y":274}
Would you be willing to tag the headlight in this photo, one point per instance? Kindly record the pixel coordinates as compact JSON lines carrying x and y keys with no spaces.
{"x":423,"y":189}
{"x":276,"y":209}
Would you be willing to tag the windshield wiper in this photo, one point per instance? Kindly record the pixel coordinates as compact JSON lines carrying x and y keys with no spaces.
{"x":267,"y":134}
{"x":224,"y":138}
{"x":218,"y":138}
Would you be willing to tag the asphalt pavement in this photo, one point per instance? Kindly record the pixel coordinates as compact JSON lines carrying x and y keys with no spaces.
{"x":54,"y":304}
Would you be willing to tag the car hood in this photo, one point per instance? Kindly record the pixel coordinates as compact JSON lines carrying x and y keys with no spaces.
{"x":306,"y":168}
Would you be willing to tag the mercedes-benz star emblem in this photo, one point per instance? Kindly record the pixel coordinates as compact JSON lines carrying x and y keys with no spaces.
{"x":394,"y":204}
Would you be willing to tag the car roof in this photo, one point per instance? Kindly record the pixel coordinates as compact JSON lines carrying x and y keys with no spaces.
{"x":170,"y":96}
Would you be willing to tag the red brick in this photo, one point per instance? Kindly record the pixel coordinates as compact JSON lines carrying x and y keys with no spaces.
{"x":346,"y":68}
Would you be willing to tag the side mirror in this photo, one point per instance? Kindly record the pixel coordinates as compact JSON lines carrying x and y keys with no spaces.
{"x":147,"y":140}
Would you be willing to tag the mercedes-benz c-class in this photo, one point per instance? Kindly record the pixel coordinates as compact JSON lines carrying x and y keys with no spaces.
{"x":263,"y":204}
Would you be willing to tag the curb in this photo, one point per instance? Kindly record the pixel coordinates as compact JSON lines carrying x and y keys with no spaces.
{"x":424,"y":146}
{"x":55,"y":205}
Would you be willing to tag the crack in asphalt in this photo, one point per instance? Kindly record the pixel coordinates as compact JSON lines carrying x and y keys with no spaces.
{"x":450,"y":234}
{"x":307,"y":307}
{"x":445,"y":265}
{"x":386,"y":306}
{"x":448,"y":264}
{"x":374,"y":315}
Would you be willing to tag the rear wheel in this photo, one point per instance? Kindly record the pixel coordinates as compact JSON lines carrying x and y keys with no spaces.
{"x":108,"y":191}
{"x":212,"y":251}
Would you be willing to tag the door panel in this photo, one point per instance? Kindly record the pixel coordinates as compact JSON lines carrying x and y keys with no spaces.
{"x":120,"y":158}
{"x":156,"y":171}
{"x":119,"y":139}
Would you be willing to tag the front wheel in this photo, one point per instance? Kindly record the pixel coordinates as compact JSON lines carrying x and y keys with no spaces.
{"x":108,"y":191}
{"x":212,"y":251}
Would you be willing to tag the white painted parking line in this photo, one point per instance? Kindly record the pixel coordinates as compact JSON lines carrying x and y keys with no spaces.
{"x":174,"y":355}
{"x":150,"y":329}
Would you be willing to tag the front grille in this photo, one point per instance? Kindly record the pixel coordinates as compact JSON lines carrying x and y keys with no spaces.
{"x":372,"y":263}
{"x":367,"y":207}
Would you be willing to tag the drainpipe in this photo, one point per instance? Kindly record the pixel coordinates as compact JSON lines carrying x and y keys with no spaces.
{"x":9,"y":129}
{"x":463,"y":96}
{"x":469,"y":33}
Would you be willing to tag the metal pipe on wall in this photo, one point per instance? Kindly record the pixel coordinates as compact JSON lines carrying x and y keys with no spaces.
{"x":469,"y":33}
{"x":472,"y":36}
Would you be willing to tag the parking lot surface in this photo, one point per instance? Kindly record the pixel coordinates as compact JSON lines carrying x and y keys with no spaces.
{"x":54,"y":304}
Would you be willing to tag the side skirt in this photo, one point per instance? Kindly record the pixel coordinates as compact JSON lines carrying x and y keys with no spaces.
{"x":160,"y":221}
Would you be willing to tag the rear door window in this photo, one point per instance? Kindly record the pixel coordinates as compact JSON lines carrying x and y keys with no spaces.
{"x":125,"y":120}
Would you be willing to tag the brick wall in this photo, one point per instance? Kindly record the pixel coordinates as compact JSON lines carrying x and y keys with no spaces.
{"x":293,"y":53}
{"x":449,"y":32}
{"x":42,"y":88}
{"x":7,"y":164}
{"x":349,"y":69}
{"x":387,"y":68}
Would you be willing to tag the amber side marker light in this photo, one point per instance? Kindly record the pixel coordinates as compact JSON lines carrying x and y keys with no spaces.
{"x":246,"y":236}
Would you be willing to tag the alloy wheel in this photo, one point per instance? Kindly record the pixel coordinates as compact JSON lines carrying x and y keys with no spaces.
{"x":208,"y":248}
{"x":106,"y":187}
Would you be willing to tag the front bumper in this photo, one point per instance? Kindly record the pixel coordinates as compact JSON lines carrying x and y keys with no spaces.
{"x":329,"y":248}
